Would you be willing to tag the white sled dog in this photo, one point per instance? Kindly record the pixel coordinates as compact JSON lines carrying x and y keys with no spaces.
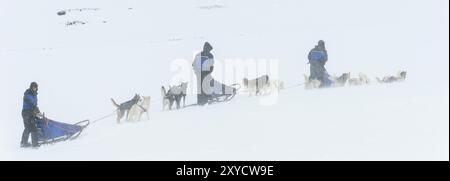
{"x":361,"y":80}
{"x":125,"y":107}
{"x":341,"y":80}
{"x":274,"y":85}
{"x":311,"y":84}
{"x":256,"y":86}
{"x":174,"y":94}
{"x":140,"y":108}
{"x":401,"y":76}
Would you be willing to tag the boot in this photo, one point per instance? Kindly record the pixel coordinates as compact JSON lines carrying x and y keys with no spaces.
{"x":25,"y":145}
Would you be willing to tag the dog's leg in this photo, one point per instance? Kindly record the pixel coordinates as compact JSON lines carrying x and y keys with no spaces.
{"x":119,"y":116}
{"x":178,"y":101}
{"x":128,"y":112}
{"x":140,"y":114}
{"x":129,"y":117}
{"x":166,"y":104}
{"x":184,"y":101}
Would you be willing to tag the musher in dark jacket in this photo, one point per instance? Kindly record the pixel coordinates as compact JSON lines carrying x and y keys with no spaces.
{"x":318,"y":57}
{"x":30,"y":111}
{"x":203,"y":66}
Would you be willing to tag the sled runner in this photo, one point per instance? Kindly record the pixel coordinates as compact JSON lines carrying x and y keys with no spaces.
{"x":50,"y":131}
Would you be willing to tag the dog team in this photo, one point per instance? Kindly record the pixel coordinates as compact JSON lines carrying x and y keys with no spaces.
{"x":203,"y":66}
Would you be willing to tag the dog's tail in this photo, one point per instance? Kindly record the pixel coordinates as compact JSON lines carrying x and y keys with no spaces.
{"x":114,"y":103}
{"x":163,"y":91}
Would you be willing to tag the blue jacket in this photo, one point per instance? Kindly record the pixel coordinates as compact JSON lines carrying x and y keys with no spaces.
{"x":318,"y":55}
{"x":30,"y":101}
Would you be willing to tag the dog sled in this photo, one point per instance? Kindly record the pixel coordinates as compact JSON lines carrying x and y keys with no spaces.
{"x":50,"y":131}
{"x":222,"y":92}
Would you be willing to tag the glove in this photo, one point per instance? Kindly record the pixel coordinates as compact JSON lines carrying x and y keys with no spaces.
{"x":39,"y":115}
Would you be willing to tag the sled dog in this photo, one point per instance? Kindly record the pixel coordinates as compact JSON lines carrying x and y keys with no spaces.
{"x":362,"y":79}
{"x":125,"y":107}
{"x":174,"y":94}
{"x":341,"y":80}
{"x":140,"y":108}
{"x":255,"y":86}
{"x":401,"y":76}
{"x":274,"y":85}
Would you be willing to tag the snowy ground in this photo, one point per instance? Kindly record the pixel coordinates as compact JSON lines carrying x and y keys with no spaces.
{"x":131,"y":47}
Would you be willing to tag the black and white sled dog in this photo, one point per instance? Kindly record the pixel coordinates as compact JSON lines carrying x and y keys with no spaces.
{"x":401,"y":76}
{"x":174,"y":94}
{"x":256,"y":86}
{"x":140,"y":108}
{"x":125,"y":107}
{"x":361,"y":80}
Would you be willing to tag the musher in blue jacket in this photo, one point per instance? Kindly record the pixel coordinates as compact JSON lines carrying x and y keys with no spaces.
{"x":318,"y":57}
{"x":30,"y":111}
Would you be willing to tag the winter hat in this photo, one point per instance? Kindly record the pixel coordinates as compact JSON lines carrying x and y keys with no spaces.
{"x":321,"y":43}
{"x":207,"y":47}
{"x":33,"y":84}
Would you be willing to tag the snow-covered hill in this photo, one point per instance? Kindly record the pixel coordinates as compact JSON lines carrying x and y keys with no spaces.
{"x":128,"y":47}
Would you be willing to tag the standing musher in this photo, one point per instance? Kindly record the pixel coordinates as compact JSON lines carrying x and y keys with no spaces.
{"x":203,"y":66}
{"x":30,"y":113}
{"x":318,"y":57}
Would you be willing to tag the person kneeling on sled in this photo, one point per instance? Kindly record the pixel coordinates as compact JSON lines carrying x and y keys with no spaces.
{"x":317,"y":58}
{"x":203,"y":66}
{"x":30,"y":113}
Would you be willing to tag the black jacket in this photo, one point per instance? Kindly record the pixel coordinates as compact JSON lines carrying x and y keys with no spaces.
{"x":207,"y":53}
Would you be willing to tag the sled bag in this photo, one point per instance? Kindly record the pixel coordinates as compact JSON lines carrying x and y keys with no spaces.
{"x":54,"y":130}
